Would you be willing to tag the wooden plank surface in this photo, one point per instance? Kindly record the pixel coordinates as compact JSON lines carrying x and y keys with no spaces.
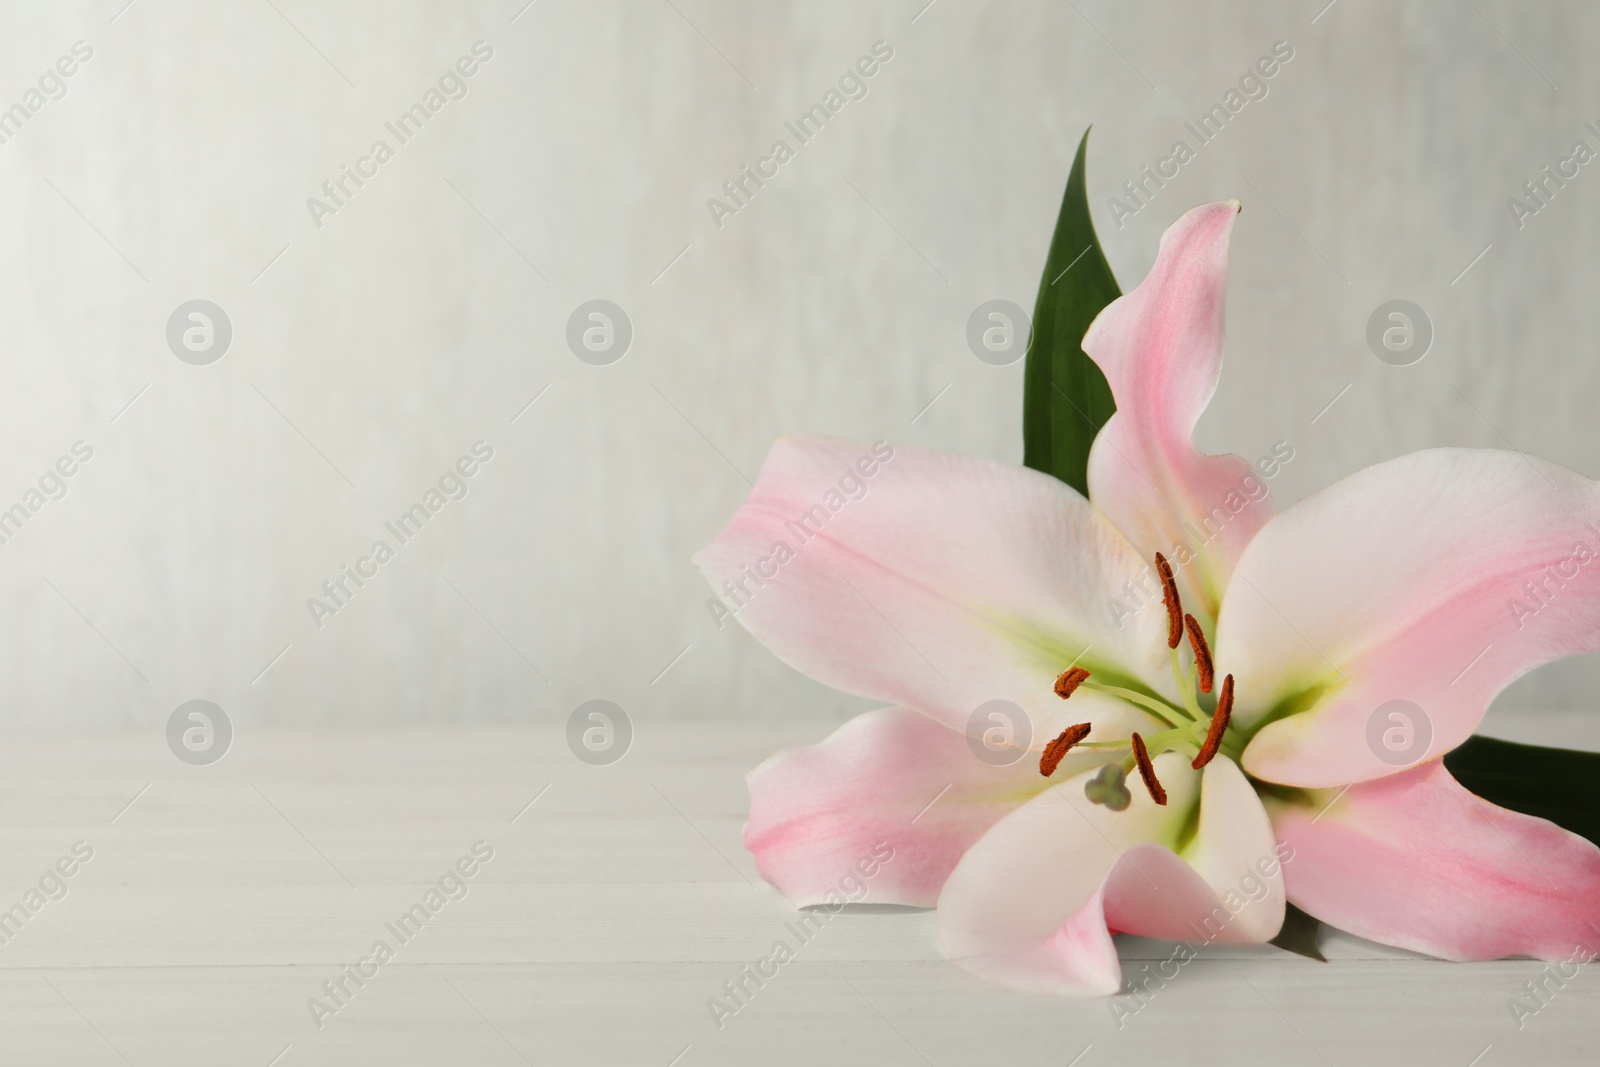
{"x":223,"y":897}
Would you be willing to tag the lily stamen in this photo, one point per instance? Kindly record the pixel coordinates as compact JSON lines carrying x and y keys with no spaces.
{"x":1169,"y":595}
{"x":1204,"y":677}
{"x":1070,"y":679}
{"x":1147,"y":771}
{"x":1219,"y":725}
{"x":1057,"y":749}
{"x":1202,"y":653}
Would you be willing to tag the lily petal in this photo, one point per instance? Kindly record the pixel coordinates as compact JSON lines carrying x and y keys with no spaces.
{"x":935,"y":581}
{"x":1034,"y":902}
{"x":1403,"y":582}
{"x":1416,"y":861}
{"x":1160,"y":347}
{"x":890,"y":783}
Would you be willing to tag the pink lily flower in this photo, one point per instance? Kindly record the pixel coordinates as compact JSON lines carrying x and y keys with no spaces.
{"x":1143,"y":803}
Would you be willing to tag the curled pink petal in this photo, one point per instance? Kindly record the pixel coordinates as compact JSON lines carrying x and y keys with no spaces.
{"x":1032,"y":904}
{"x":1160,"y":347}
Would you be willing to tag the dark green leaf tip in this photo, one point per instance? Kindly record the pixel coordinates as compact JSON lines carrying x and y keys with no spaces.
{"x":1065,"y":398}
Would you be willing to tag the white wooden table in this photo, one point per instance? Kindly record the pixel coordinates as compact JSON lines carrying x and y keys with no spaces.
{"x":223,"y":898}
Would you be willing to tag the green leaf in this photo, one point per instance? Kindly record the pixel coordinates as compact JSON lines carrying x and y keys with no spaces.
{"x":1299,"y":934}
{"x":1065,"y":398}
{"x":1552,"y":783}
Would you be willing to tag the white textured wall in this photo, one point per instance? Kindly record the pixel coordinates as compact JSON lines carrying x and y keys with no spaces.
{"x":422,"y":317}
